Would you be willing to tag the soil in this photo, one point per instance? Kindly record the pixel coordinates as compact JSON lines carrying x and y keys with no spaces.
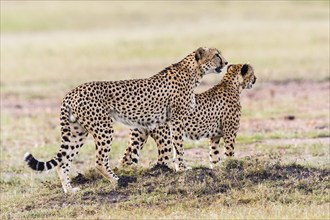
{"x":202,"y":154}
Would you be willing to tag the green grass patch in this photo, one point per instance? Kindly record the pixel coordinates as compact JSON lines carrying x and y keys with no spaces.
{"x":248,"y":138}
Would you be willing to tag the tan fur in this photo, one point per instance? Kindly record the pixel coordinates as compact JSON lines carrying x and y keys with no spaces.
{"x":145,"y":103}
{"x":216,"y":114}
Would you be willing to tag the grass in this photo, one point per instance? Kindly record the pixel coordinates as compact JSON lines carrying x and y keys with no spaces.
{"x":169,"y":195}
{"x":261,"y":136}
{"x":281,"y":170}
{"x":247,"y":184}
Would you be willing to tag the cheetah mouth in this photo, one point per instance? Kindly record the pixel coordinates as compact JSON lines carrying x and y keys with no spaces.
{"x":219,"y":69}
{"x":249,"y":86}
{"x":222,"y":69}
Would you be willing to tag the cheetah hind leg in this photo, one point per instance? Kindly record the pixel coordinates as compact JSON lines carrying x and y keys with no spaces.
{"x":163,"y":139}
{"x":102,"y":161}
{"x":177,"y":138}
{"x":73,"y":136}
{"x":138,"y":138}
{"x":103,"y":147}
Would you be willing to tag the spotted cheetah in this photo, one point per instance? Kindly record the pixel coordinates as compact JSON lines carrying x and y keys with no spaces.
{"x":216,"y":114}
{"x":142,"y":103}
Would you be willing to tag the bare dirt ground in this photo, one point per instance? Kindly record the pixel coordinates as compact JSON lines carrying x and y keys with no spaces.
{"x":288,"y":105}
{"x":201,"y":154}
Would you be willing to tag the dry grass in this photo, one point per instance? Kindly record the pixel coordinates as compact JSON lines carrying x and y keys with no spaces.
{"x":285,"y":191}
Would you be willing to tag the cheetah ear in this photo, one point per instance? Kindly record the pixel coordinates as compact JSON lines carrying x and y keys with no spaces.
{"x":244,"y":69}
{"x":199,"y":53}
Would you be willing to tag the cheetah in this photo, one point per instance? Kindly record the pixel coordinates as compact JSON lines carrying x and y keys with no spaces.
{"x":216,"y":114}
{"x":91,"y":108}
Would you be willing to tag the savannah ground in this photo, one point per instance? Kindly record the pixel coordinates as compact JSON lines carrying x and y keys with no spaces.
{"x":281,"y":169}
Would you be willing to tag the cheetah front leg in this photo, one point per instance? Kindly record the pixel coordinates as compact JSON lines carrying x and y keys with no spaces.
{"x":177,"y":138}
{"x":163,"y":139}
{"x":229,"y":137}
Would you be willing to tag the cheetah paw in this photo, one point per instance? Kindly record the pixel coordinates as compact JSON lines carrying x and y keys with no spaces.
{"x":182,"y":167}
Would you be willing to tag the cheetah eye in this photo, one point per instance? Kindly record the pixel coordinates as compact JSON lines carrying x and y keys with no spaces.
{"x":218,"y":56}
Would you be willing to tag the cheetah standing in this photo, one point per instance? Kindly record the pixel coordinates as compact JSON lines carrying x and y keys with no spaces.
{"x":216,"y":114}
{"x":143,"y":103}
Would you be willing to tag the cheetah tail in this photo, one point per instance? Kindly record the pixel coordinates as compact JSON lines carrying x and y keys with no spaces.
{"x":34,"y":164}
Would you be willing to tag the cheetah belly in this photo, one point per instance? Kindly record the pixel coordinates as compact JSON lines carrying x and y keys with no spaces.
{"x":140,"y":119}
{"x":196,"y":131}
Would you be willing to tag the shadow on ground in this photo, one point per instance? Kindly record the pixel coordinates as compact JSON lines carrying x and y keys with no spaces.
{"x":201,"y":182}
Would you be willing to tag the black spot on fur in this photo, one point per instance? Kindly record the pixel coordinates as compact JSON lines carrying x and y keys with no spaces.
{"x":65,"y":138}
{"x":135,"y":134}
{"x":64,"y":146}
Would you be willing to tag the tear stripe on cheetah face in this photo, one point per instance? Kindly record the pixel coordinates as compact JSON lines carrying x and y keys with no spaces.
{"x":216,"y":115}
{"x":91,"y":108}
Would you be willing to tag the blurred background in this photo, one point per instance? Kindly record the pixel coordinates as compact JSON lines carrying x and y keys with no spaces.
{"x":48,"y":47}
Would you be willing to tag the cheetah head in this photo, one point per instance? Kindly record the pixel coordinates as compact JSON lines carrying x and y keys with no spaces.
{"x":245,"y":74}
{"x":210,"y":60}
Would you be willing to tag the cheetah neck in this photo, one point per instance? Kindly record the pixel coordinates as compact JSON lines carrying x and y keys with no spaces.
{"x":187,"y":71}
{"x":229,"y":84}
{"x":232,"y":81}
